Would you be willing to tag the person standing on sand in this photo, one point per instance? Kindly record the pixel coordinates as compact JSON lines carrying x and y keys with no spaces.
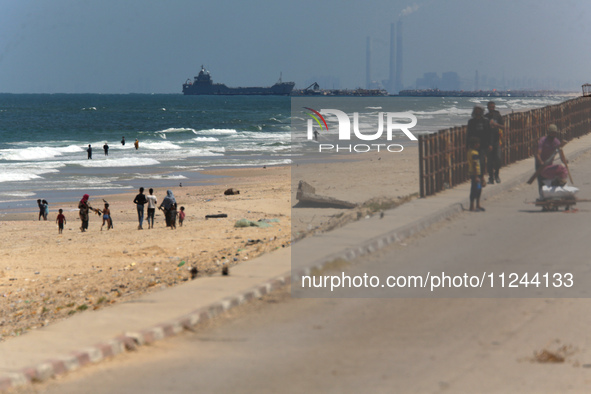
{"x":61,"y":220}
{"x":45,"y":209}
{"x":89,"y":151}
{"x":140,"y":200}
{"x":181,"y":216}
{"x":152,"y":201}
{"x":41,"y":209}
{"x":84,"y":208}
{"x":169,"y":207}
{"x":496,"y":141}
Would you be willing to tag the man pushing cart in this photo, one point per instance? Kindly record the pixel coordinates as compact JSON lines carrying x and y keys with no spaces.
{"x":552,"y":178}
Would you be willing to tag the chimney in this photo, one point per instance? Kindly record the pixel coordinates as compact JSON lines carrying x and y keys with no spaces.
{"x":391,"y":86}
{"x":398,"y":84}
{"x":368,"y":63}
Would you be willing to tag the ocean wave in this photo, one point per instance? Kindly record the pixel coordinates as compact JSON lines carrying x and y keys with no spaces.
{"x":446,"y":111}
{"x":18,"y":194}
{"x":216,"y":131}
{"x":159,"y":146}
{"x":37,"y":153}
{"x":163,"y":177}
{"x":252,"y":163}
{"x":202,"y":152}
{"x":18,"y":176}
{"x":124,"y":162}
{"x":277,"y":136}
{"x":176,"y":130}
{"x":205,"y":139}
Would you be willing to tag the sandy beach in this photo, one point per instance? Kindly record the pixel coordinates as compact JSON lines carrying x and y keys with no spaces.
{"x":45,"y":276}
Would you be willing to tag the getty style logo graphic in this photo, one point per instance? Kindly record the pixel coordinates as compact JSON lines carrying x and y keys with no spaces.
{"x":344,"y":123}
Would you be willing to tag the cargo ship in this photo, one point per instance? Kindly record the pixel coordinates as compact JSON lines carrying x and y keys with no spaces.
{"x":202,"y":84}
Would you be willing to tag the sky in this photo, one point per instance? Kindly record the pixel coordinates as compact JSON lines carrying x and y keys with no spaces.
{"x":148,"y":46}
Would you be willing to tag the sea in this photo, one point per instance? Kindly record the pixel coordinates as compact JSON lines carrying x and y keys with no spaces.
{"x":44,"y":139}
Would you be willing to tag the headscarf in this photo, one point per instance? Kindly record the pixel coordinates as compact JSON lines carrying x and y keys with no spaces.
{"x":85,"y":198}
{"x":169,"y":200}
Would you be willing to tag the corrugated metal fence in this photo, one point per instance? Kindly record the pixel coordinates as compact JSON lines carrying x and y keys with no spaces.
{"x":442,"y":155}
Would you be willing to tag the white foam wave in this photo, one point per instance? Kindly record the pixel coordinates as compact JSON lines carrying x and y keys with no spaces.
{"x":18,"y":194}
{"x":163,"y":177}
{"x":37,"y":153}
{"x":216,"y":131}
{"x":160,"y":146}
{"x":208,"y":139}
{"x":202,"y":152}
{"x":253,"y":163}
{"x":176,"y":130}
{"x":446,"y":111}
{"x":18,"y":176}
{"x":263,"y":136}
{"x":124,"y":162}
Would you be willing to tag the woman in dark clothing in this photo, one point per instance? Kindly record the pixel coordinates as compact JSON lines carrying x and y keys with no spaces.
{"x":168,"y":205}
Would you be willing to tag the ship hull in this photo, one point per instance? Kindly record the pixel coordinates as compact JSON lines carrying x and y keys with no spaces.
{"x":279,"y":89}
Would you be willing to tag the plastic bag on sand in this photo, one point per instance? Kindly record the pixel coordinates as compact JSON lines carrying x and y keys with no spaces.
{"x":559,"y":191}
{"x":249,"y":223}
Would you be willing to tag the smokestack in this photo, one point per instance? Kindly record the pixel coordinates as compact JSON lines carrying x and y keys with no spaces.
{"x":368,"y":63}
{"x":398,"y":85}
{"x":391,"y":86}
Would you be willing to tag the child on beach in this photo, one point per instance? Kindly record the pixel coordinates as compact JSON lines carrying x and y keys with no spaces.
{"x":43,"y":209}
{"x":476,"y":177}
{"x":61,"y":220}
{"x":46,"y":209}
{"x":107,"y":217}
{"x":181,"y":216}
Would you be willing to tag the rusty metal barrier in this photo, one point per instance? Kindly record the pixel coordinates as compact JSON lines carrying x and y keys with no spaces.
{"x":442,"y":155}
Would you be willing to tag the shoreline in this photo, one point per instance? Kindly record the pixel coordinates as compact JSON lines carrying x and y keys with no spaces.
{"x":45,"y":276}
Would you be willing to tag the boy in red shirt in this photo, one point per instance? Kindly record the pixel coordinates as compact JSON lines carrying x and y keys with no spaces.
{"x":61,"y":220}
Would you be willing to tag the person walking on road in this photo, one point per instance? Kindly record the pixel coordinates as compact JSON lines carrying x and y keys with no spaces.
{"x":479,"y":127}
{"x":496,"y":142}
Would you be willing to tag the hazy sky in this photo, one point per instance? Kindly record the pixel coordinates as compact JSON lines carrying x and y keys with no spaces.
{"x":146,"y":46}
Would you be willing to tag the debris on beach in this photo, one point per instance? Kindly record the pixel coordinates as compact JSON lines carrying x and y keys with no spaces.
{"x":231,"y":192}
{"x":216,"y":216}
{"x":559,"y":355}
{"x":306,"y":195}
{"x":263,"y":223}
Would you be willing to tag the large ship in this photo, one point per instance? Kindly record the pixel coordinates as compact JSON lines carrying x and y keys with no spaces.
{"x":202,"y":84}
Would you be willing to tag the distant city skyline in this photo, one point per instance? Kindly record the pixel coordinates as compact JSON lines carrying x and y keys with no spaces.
{"x":145,"y":46}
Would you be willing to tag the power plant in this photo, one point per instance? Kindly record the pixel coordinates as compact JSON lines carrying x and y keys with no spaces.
{"x":394,"y":82}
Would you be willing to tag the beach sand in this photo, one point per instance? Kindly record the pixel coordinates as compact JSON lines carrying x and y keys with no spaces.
{"x":45,"y":276}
